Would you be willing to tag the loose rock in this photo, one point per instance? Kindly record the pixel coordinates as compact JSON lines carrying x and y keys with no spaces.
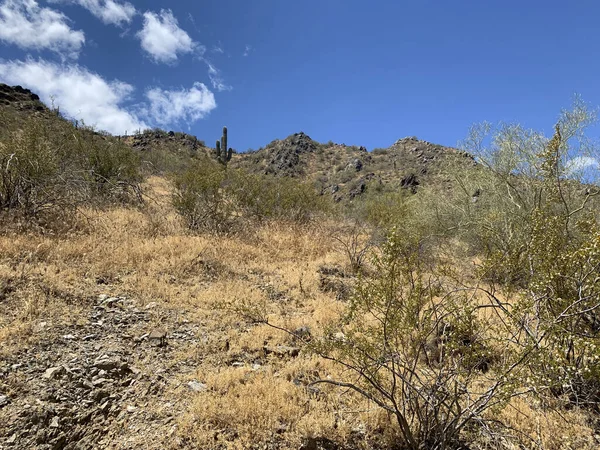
{"x":54,"y":372}
{"x":196,"y":386}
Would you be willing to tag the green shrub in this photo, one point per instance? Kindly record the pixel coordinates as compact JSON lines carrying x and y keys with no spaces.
{"x":383,"y":210}
{"x":47,"y":164}
{"x":421,"y":350}
{"x":30,"y":170}
{"x":540,"y":239}
{"x":201,"y":198}
{"x":215,"y":198}
{"x":113,"y":167}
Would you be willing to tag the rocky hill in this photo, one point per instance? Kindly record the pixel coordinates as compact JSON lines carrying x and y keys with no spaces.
{"x":348,"y":171}
{"x":339,"y":170}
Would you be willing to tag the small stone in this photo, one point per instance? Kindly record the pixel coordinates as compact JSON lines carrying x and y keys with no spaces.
{"x":158,"y":337}
{"x":102,"y":297}
{"x":131,"y":409}
{"x":99,"y":382}
{"x":100,"y":394}
{"x":339,"y":336}
{"x":54,"y":372}
{"x":89,"y":337}
{"x":196,"y":386}
{"x":3,"y":400}
{"x":54,"y":423}
{"x":302,"y":333}
{"x":69,"y":337}
{"x":107,"y":363}
{"x":151,"y":305}
{"x":110,"y":301}
{"x":12,"y":439}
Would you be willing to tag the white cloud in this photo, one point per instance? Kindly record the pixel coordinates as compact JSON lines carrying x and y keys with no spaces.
{"x":78,"y":92}
{"x":172,"y":106}
{"x":109,"y":11}
{"x":215,"y":78}
{"x":579,"y":164}
{"x":29,"y":26}
{"x":247,"y":50}
{"x":162,"y":38}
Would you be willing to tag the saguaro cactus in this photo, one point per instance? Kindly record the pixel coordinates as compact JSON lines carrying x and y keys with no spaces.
{"x":223,"y":155}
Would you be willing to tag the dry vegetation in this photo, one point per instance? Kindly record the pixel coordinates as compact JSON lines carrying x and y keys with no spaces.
{"x":158,"y":299}
{"x":252,"y":400}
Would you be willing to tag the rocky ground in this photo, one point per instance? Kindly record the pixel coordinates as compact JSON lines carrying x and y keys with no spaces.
{"x":103,"y":383}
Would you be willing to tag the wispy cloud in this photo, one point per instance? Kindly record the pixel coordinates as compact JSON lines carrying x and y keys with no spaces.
{"x":79,"y":93}
{"x":109,"y":11}
{"x":162,"y":38}
{"x":25,"y":24}
{"x":173,"y":106}
{"x":216,"y":79}
{"x":218,"y":48}
{"x":580,"y":164}
{"x":247,"y":50}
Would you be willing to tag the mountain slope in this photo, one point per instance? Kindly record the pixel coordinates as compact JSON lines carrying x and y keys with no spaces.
{"x":347,"y":171}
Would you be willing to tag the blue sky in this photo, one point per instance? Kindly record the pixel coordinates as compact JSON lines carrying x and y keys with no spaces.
{"x":355,"y":72}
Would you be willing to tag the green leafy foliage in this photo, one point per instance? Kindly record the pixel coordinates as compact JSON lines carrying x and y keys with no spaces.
{"x":540,"y":241}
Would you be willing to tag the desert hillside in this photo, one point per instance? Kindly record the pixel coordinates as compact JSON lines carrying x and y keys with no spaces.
{"x":308,"y":295}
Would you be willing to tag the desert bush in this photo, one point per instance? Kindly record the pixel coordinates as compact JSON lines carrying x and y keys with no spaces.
{"x":539,"y":236}
{"x":355,"y":241}
{"x":421,"y":350}
{"x":425,"y":351}
{"x":383,"y":210}
{"x":266,"y":197}
{"x":163,"y":160}
{"x":380,"y":151}
{"x":216,"y":198}
{"x":113,"y":168}
{"x":34,"y":172}
{"x":201,"y":199}
{"x":47,"y":164}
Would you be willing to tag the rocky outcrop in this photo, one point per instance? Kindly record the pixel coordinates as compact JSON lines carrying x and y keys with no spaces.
{"x":151,"y":139}
{"x":284,"y":156}
{"x":20,"y":98}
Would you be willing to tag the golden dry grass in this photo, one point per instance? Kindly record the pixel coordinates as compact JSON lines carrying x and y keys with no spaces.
{"x":147,"y":255}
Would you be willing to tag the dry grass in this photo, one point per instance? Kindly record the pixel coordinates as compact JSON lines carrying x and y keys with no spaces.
{"x":253,"y":400}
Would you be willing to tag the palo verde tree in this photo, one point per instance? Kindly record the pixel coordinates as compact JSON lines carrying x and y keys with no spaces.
{"x":538,"y":223}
